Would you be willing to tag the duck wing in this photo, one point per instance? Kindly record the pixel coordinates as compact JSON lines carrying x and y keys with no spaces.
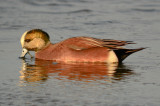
{"x":80,"y":43}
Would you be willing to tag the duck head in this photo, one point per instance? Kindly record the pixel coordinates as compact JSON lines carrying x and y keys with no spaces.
{"x":34,"y":40}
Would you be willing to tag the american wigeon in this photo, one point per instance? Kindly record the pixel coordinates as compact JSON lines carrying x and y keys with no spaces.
{"x":75,"y":49}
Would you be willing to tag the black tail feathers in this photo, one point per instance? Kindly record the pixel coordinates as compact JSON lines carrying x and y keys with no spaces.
{"x":123,"y":53}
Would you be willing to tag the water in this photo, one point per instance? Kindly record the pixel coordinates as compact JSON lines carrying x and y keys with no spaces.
{"x":32,"y":82}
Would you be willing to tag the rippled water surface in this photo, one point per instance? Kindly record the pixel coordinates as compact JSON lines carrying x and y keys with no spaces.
{"x":33,"y":82}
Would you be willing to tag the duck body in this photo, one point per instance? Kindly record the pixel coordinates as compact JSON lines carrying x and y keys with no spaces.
{"x":76,"y":49}
{"x":61,"y":52}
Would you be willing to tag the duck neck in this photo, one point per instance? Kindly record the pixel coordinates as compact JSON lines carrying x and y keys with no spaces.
{"x":46,"y":46}
{"x":45,"y":52}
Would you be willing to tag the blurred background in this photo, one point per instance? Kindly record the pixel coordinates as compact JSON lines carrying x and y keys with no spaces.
{"x":32,"y":82}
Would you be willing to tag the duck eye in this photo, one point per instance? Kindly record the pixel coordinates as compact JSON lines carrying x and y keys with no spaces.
{"x":27,"y":40}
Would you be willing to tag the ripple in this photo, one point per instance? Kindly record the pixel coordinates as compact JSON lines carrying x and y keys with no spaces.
{"x":70,"y":28}
{"x":56,"y":4}
{"x":8,"y":27}
{"x":69,"y":12}
{"x":145,"y":10}
{"x":81,"y":1}
{"x":100,"y":22}
{"x":81,"y":11}
{"x":37,"y":3}
{"x":30,"y":2}
{"x":40,"y":100}
{"x":150,"y":5}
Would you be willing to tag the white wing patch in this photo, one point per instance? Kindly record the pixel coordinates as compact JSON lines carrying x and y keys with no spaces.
{"x":23,"y":38}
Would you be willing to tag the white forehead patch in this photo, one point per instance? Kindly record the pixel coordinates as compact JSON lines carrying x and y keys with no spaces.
{"x":23,"y":38}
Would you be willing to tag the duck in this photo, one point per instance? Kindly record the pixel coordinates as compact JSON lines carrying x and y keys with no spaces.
{"x":75,"y":49}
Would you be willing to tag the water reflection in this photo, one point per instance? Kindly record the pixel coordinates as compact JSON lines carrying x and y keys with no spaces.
{"x":41,"y":71}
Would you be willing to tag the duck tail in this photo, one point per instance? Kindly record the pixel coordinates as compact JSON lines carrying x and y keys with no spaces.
{"x":123,"y":53}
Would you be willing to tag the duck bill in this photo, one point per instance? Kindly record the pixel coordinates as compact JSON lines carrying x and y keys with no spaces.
{"x":24,"y":52}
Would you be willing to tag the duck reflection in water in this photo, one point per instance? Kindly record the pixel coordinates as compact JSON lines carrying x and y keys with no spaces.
{"x":41,"y":70}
